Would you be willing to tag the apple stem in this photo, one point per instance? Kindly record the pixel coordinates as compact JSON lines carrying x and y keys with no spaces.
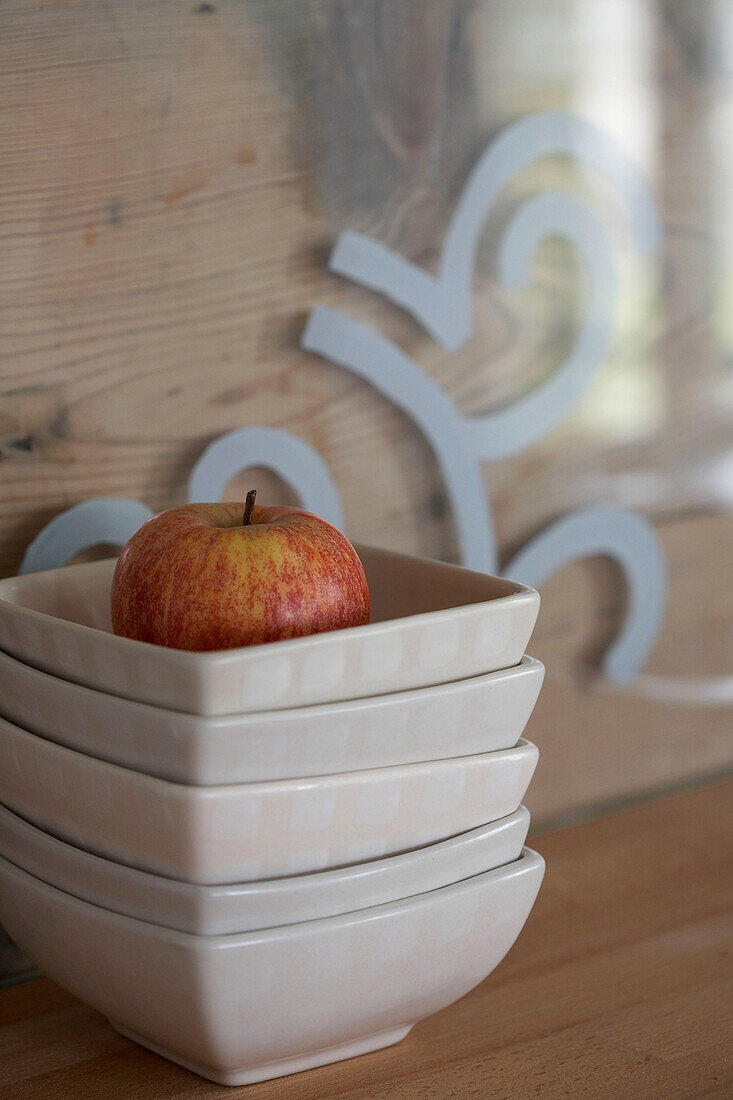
{"x":249,"y":506}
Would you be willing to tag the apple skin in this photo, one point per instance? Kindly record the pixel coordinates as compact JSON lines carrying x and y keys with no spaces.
{"x":195,"y":578}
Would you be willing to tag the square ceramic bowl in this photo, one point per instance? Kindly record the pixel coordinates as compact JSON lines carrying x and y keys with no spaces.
{"x":251,"y":831}
{"x":431,"y":623}
{"x":461,"y":718}
{"x":246,"y":907}
{"x":246,"y":1008}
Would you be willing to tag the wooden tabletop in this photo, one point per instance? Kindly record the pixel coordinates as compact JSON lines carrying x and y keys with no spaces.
{"x":620,"y":985}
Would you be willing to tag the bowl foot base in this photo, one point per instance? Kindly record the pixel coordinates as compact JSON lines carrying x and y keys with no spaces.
{"x":293,"y":1064}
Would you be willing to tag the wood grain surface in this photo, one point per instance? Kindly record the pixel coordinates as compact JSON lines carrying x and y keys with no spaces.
{"x":172,"y":177}
{"x":620,"y":985}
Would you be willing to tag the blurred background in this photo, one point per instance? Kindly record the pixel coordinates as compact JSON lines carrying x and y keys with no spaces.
{"x":173,"y":178}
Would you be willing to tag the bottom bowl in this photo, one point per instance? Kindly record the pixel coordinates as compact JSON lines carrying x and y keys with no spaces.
{"x":249,"y":1007}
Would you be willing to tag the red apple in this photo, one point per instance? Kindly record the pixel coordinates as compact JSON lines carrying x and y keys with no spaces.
{"x":212,"y":576}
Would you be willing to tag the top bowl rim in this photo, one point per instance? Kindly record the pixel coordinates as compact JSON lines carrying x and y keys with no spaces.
{"x":221,"y":657}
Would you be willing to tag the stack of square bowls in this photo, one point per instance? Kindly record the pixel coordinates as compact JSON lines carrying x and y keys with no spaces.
{"x":259,"y":860}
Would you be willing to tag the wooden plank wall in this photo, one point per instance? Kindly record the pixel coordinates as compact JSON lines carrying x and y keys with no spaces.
{"x":172,"y":175}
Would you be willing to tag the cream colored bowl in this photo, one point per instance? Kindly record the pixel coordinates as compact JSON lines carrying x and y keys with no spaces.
{"x":247,"y":906}
{"x":462,"y":718}
{"x":251,"y":831}
{"x":246,"y":1008}
{"x":431,"y":623}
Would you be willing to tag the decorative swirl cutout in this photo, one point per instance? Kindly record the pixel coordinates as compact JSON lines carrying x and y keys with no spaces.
{"x":103,"y":520}
{"x":631,"y":542}
{"x":290,"y":458}
{"x":442,"y":304}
